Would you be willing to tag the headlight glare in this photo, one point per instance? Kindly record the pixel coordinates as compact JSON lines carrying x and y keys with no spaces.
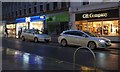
{"x":102,"y":41}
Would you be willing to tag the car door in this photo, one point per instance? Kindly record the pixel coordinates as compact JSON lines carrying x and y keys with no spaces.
{"x":82,"y":38}
{"x":75,"y":38}
{"x":26,"y":34}
{"x":31,"y":35}
{"x":71,"y":38}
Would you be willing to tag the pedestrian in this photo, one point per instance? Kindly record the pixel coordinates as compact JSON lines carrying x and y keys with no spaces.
{"x":19,"y":33}
{"x":6,"y":32}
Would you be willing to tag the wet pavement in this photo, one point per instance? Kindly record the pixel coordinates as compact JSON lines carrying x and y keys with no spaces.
{"x":115,"y":46}
{"x":18,"y":60}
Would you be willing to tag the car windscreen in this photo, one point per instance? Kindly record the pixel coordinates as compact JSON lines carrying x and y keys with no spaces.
{"x":37,"y":32}
{"x":90,"y":34}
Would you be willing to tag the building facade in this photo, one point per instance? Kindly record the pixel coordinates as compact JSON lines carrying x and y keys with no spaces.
{"x":38,"y":15}
{"x":102,"y":18}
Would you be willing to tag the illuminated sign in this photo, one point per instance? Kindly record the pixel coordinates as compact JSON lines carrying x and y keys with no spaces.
{"x":31,"y":19}
{"x":27,"y":19}
{"x":102,"y":14}
{"x":91,"y":15}
{"x":20,"y":20}
{"x":38,"y":18}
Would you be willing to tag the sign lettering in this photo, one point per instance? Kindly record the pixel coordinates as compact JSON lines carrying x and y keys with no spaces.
{"x":91,"y":15}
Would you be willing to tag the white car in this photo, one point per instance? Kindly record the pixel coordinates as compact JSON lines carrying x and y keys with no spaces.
{"x":80,"y":38}
{"x":35,"y":35}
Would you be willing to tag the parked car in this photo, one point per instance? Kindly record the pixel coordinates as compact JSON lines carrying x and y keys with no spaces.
{"x":35,"y":35}
{"x":83,"y":38}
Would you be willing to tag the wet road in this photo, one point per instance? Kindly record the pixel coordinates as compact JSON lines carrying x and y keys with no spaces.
{"x":106,"y":59}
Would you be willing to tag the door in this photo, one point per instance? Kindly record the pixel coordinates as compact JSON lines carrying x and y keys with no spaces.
{"x":31,"y":35}
{"x":28,"y":34}
{"x":71,"y":37}
{"x":81,"y":38}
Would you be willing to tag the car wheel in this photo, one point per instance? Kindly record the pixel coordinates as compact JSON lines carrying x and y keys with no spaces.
{"x":64,"y":42}
{"x":91,"y":45}
{"x":23,"y":38}
{"x":35,"y":40}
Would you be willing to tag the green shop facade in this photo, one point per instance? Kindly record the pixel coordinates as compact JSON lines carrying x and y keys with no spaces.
{"x":57,"y":22}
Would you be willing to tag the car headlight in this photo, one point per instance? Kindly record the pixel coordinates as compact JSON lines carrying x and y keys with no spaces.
{"x":102,"y":41}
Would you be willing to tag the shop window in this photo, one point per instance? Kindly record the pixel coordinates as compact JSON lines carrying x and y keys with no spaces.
{"x":106,"y":28}
{"x":110,"y":27}
{"x":36,"y":25}
{"x":11,"y":30}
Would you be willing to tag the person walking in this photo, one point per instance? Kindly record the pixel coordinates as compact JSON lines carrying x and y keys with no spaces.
{"x":6,"y":32}
{"x":19,"y":33}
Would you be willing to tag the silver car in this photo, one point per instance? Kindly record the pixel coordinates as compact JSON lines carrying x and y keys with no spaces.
{"x":35,"y":35}
{"x":83,"y":38}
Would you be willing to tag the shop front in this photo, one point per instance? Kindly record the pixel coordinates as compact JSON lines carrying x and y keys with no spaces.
{"x":34,"y":22}
{"x":104,"y":23}
{"x":58,"y":22}
{"x":11,"y":30}
{"x":37,"y":22}
{"x":21,"y":24}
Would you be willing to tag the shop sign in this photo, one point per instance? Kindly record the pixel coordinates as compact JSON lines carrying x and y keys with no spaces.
{"x":31,"y":19}
{"x":20,"y":20}
{"x":27,"y":19}
{"x":91,"y":15}
{"x":38,"y":18}
{"x":59,"y":17}
{"x":114,"y":13}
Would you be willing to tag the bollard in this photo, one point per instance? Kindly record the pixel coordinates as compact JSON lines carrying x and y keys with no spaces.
{"x":74,"y":56}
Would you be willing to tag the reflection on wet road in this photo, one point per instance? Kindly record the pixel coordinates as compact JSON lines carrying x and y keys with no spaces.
{"x":18,"y":60}
{"x":115,"y":45}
